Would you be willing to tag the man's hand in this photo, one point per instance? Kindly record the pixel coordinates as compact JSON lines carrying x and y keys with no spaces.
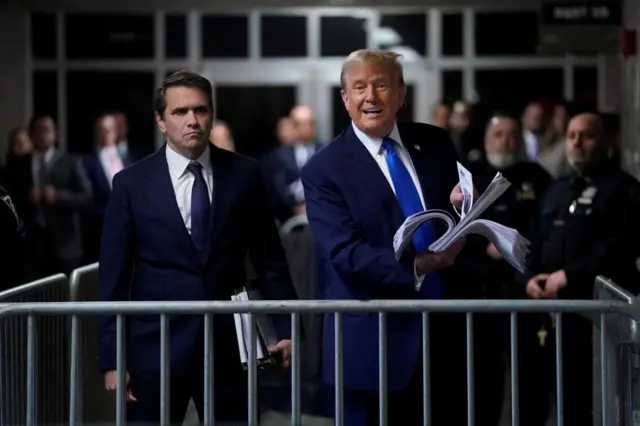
{"x":49,"y":194}
{"x":111,"y":384}
{"x":493,"y":252}
{"x":429,"y":262}
{"x":456,"y":196}
{"x":300,"y":209}
{"x":555,"y":282}
{"x":282,"y":352}
{"x":35,"y":195}
{"x":534,"y":286}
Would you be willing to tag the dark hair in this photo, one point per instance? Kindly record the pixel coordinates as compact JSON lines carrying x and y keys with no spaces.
{"x":36,"y":118}
{"x":182,"y":78}
{"x":504,"y":115}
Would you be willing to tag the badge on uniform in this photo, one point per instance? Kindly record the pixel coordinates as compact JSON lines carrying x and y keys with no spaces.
{"x":526,"y":192}
{"x":584,"y":202}
{"x":417,"y":147}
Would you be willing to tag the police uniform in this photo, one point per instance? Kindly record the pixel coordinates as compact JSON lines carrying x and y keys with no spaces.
{"x":495,"y":279}
{"x":587,"y":225}
{"x":10,"y":233}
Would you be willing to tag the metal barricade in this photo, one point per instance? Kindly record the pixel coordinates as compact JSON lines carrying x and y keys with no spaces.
{"x":604,"y":311}
{"x":616,"y":349}
{"x":95,"y":404}
{"x":41,"y":355}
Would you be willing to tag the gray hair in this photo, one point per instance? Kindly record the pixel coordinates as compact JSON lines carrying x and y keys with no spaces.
{"x":372,"y":57}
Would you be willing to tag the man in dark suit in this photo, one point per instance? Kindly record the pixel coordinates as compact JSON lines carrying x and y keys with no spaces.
{"x":283,"y":165}
{"x":101,"y":165}
{"x":50,"y":188}
{"x":169,"y":235}
{"x":359,"y":190}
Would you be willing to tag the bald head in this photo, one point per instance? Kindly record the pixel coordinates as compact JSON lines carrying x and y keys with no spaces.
{"x":585,"y":142}
{"x":305,"y":122}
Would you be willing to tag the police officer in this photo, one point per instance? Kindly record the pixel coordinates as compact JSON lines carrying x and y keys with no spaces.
{"x":10,"y":250}
{"x":587,"y":225}
{"x":504,"y":153}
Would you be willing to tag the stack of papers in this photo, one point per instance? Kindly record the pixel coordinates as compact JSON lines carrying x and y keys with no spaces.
{"x":513,"y":246}
{"x":264,"y":333}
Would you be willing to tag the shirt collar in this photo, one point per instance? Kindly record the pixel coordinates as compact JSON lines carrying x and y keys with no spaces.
{"x":374,"y":145}
{"x":178,"y":164}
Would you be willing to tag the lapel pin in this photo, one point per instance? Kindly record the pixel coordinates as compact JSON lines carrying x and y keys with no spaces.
{"x":417,"y":147}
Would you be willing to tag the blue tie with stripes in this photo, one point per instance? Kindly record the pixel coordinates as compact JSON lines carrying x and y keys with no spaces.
{"x":409,"y":200}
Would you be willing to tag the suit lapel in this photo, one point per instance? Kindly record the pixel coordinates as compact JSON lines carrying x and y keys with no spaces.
{"x":223,"y":193}
{"x":426,"y":169}
{"x":361,"y":164}
{"x":159,"y":190}
{"x":103,"y":183}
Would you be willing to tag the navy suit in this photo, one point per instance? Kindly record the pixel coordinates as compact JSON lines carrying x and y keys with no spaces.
{"x":281,"y":169}
{"x":354,"y":213}
{"x":92,"y":220}
{"x":147,"y":254}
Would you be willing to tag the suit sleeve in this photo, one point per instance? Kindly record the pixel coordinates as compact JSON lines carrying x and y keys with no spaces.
{"x":337,"y":235}
{"x":78,"y":193}
{"x":268,"y":256}
{"x":115,"y":266}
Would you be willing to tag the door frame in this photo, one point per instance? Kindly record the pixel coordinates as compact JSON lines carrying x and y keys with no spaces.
{"x":242,"y":73}
{"x":426,"y":85}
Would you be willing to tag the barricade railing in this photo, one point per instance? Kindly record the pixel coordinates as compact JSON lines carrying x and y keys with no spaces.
{"x":382,"y":308}
{"x":41,"y":355}
{"x":616,"y":349}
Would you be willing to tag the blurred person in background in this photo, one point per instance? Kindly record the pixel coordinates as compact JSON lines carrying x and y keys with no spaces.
{"x":534,"y":124}
{"x":465,"y":131}
{"x":441,"y":116}
{"x":221,"y":137}
{"x":552,"y":152}
{"x":286,"y":161}
{"x":491,"y":277}
{"x":124,"y":144}
{"x":50,"y":188}
{"x":101,"y":166}
{"x":286,"y":131}
{"x":19,"y":145}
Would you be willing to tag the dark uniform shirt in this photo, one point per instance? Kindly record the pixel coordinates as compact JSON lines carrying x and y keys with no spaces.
{"x":515,"y":209}
{"x":587,"y":225}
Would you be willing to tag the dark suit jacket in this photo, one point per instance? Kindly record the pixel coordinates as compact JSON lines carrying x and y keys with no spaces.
{"x":73,"y":193}
{"x":282,"y":170}
{"x":354,"y":214}
{"x":98,"y":179}
{"x":147,"y":254}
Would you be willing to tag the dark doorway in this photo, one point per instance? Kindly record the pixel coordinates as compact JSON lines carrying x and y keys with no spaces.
{"x":252,"y":113}
{"x":341,"y":118}
{"x":91,"y":93}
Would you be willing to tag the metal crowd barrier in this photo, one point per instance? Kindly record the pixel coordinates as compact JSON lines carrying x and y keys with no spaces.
{"x":616,"y":348}
{"x":34,"y":348}
{"x":604,"y":312}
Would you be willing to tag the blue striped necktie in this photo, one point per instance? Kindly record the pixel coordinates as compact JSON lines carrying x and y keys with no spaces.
{"x":409,"y":200}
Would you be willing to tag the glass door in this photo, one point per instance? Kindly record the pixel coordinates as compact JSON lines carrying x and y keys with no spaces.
{"x":252,"y":98}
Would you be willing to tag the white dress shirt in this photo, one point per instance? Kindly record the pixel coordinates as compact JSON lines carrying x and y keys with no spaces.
{"x":182,"y":180}
{"x":374,"y":146}
{"x":110,"y":161}
{"x":532,"y":145}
